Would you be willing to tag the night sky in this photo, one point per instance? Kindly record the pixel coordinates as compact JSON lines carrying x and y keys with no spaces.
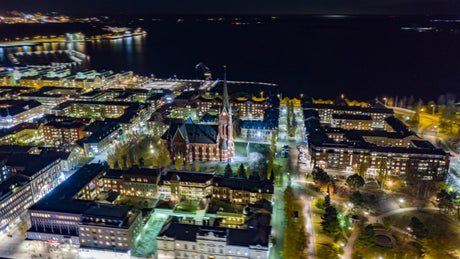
{"x":236,"y":6}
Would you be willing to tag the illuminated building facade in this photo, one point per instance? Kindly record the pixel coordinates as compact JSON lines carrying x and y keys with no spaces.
{"x":204,"y":142}
{"x":203,"y":242}
{"x":185,"y":185}
{"x":14,"y":112}
{"x":66,"y":132}
{"x":326,"y":111}
{"x":69,"y":215}
{"x":351,"y":122}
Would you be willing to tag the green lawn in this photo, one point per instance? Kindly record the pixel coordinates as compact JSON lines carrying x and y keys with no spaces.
{"x":320,"y":237}
{"x":438,"y":225}
{"x":186,"y":208}
{"x":402,"y":250}
{"x":241,"y":148}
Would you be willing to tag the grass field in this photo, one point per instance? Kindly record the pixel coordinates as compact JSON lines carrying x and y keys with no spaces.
{"x":241,"y":148}
{"x":438,"y":225}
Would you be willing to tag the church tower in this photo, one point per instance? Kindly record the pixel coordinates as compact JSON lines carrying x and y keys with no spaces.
{"x":225,"y":125}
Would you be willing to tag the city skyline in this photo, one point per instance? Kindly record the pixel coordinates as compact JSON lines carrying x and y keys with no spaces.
{"x":229,"y":136}
{"x":141,"y":7}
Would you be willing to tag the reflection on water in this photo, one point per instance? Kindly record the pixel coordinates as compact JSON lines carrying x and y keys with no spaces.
{"x":128,"y":42}
{"x":119,"y":54}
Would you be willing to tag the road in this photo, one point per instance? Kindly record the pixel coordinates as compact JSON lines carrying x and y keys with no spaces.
{"x":291,"y":175}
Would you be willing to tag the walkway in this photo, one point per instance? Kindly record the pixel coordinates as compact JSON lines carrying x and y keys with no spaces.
{"x":351,"y":242}
{"x":378,"y":219}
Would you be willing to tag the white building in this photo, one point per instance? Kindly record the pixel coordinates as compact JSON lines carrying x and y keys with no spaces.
{"x":181,"y":240}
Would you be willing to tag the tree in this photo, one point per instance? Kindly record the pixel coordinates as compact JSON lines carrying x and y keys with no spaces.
{"x":111,"y":160}
{"x":164,"y":158}
{"x":248,"y":172}
{"x":179,"y":162}
{"x":188,"y":167}
{"x":136,"y":159}
{"x":367,"y":237}
{"x":319,"y":175}
{"x":272,"y":177}
{"x":329,"y":251}
{"x":421,"y":188}
{"x":208,"y":167}
{"x":241,"y":171}
{"x":301,"y":239}
{"x":431,"y":106}
{"x":418,"y":228}
{"x":121,"y":163}
{"x":441,"y":100}
{"x":355,"y":181}
{"x":128,"y":161}
{"x":295,"y":235}
{"x":228,"y":171}
{"x":327,"y":201}
{"x":448,"y":114}
{"x":271,"y":159}
{"x":271,"y":156}
{"x":414,"y":119}
{"x":446,"y":200}
{"x":330,"y":221}
{"x":382,"y":172}
{"x":262,"y":170}
{"x":319,"y":203}
{"x":357,"y":199}
{"x":197,"y":166}
{"x":361,"y":169}
{"x":155,"y":161}
{"x":141,"y":161}
{"x":288,"y":198}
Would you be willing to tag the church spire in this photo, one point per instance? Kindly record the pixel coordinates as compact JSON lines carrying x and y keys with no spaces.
{"x":225,"y":102}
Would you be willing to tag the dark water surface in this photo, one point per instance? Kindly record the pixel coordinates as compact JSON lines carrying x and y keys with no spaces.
{"x":320,"y":56}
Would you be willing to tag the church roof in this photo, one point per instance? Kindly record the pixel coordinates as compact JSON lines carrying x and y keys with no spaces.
{"x":199,"y":133}
{"x":193,"y":133}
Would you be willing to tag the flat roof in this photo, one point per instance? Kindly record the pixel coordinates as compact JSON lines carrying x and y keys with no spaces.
{"x":60,"y":199}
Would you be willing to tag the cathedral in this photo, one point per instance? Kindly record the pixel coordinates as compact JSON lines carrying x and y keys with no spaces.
{"x":204,"y":142}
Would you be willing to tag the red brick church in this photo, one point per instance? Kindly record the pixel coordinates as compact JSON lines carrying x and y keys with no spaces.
{"x":204,"y":142}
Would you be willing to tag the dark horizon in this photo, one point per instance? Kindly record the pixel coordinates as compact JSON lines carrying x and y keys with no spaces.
{"x":238,"y":7}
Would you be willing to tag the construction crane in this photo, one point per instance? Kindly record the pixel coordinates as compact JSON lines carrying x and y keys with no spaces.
{"x":202,"y":69}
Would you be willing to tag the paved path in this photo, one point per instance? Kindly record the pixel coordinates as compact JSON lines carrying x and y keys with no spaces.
{"x":311,"y":248}
{"x":351,"y":242}
{"x":379,"y":218}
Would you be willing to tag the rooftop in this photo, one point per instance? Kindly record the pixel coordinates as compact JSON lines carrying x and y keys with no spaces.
{"x":188,"y":176}
{"x":240,"y":237}
{"x":14,"y":107}
{"x":60,"y":199}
